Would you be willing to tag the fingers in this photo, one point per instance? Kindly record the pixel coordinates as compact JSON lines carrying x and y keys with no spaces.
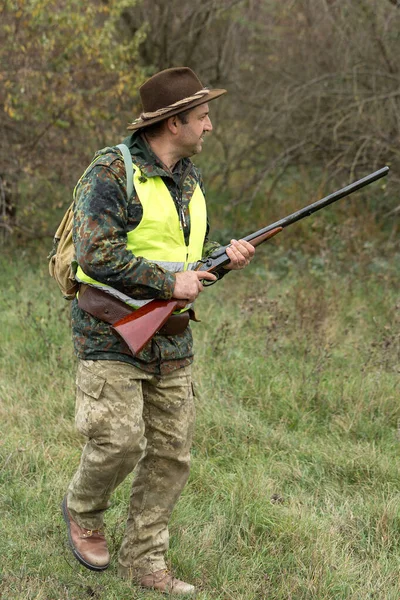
{"x":205,"y":275}
{"x":241,"y":253}
{"x":181,"y":304}
{"x":188,"y":284}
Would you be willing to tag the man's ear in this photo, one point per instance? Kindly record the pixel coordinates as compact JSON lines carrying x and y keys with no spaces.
{"x":172,"y":124}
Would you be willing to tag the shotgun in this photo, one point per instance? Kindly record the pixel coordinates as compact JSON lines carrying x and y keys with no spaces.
{"x":138,"y":328}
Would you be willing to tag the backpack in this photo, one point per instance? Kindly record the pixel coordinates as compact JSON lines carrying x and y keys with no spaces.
{"x":62,"y":263}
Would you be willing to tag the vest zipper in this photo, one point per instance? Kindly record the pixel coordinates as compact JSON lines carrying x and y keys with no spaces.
{"x":182,"y":218}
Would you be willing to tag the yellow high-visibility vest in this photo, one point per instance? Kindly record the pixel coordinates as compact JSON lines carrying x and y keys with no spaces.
{"x":159,"y":237}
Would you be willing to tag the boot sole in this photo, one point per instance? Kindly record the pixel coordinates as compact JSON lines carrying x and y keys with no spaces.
{"x":71,"y":544}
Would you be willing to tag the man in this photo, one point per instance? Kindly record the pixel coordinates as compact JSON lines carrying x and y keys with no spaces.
{"x":139,"y":411}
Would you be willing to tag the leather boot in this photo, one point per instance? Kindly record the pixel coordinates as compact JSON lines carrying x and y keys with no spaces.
{"x":89,"y":546}
{"x":163,"y":581}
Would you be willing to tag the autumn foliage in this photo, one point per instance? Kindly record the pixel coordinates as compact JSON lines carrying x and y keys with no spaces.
{"x":313,"y":98}
{"x":68,"y":77}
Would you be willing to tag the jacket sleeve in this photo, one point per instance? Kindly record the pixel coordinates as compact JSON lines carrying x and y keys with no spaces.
{"x":100,"y":238}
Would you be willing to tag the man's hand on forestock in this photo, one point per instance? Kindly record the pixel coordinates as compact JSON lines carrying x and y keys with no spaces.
{"x":241,"y":253}
{"x":188,"y":285}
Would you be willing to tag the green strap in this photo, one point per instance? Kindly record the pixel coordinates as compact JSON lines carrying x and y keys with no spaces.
{"x":128,"y":168}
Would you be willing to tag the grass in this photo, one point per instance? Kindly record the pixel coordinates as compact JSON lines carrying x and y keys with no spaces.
{"x":295,"y":482}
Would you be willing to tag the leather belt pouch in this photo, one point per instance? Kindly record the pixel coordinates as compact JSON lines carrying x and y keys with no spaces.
{"x":106,"y":308}
{"x":176,"y":324}
{"x":101,"y":305}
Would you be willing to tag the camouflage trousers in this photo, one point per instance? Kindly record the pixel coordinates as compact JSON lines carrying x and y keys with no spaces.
{"x":132,"y":419}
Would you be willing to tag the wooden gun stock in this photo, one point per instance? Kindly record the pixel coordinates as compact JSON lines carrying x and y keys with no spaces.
{"x":139,"y":327}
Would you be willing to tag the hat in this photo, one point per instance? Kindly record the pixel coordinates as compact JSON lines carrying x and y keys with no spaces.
{"x":170,"y":92}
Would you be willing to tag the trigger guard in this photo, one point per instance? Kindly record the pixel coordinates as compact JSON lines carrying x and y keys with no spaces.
{"x":207,"y":282}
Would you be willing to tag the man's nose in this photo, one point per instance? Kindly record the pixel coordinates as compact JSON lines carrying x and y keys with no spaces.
{"x":207,"y":124}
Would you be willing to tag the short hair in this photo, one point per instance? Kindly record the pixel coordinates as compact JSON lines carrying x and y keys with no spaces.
{"x":184,"y":116}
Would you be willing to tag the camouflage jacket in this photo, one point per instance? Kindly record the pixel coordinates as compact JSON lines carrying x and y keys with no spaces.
{"x":102,"y":217}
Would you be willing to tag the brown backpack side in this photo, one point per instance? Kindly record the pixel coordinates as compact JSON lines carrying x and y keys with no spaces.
{"x":62,"y":264}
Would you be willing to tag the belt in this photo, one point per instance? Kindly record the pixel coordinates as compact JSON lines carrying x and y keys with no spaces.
{"x":107,"y":308}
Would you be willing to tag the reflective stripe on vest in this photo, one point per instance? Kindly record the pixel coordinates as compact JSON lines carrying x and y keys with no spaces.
{"x":159,"y":237}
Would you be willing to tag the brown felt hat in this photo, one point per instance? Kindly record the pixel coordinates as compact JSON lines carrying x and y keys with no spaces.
{"x":170,"y":92}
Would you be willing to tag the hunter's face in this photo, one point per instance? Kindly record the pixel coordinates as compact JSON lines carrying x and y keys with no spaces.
{"x":191,"y":134}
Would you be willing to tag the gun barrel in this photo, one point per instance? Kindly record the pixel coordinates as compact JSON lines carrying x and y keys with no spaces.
{"x":312,"y":208}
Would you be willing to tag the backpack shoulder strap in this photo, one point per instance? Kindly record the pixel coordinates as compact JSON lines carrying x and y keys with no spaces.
{"x":128,"y":168}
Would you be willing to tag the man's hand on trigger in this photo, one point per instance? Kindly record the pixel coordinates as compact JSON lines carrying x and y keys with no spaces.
{"x":188,"y":285}
{"x":241,"y":253}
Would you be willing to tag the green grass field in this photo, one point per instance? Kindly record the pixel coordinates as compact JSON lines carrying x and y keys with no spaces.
{"x":294,"y":492}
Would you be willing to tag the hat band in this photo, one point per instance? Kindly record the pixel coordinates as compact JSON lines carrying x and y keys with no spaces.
{"x":145,"y":116}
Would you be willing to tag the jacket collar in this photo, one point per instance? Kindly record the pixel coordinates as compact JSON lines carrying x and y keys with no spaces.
{"x":150,"y":164}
